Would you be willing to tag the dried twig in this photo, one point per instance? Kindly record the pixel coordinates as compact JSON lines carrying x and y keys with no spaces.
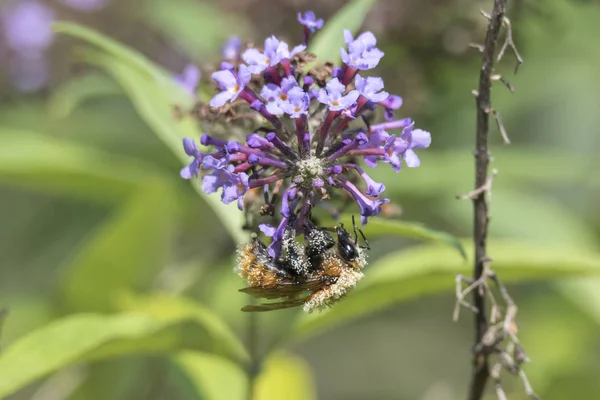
{"x":501,"y":127}
{"x":485,"y":188}
{"x":481,"y":370}
{"x":508,"y":41}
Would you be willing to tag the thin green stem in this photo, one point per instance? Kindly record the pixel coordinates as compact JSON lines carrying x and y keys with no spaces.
{"x":252,"y":344}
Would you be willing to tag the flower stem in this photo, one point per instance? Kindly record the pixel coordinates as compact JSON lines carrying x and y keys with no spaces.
{"x":481,"y":370}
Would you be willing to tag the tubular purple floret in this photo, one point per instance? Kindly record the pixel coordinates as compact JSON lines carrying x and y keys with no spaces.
{"x":324,"y":129}
{"x":266,"y":180}
{"x":305,"y":208}
{"x":207,"y":140}
{"x":272,"y":75}
{"x":335,"y":170}
{"x":347,"y":74}
{"x":255,"y":159}
{"x":398,"y":124}
{"x":258,"y":142}
{"x":301,"y":134}
{"x":284,"y":148}
{"x":275,"y":247}
{"x":234,"y":147}
{"x":374,"y":189}
{"x":368,"y":207}
{"x":359,"y":139}
{"x":308,"y":81}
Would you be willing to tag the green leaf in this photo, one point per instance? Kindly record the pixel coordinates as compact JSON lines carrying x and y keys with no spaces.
{"x":84,"y":337}
{"x":118,"y":50}
{"x":58,"y":166}
{"x":585,"y":293}
{"x":125,"y":253}
{"x":547,"y":220}
{"x":217,"y":338}
{"x":561,"y":322}
{"x":3,"y":314}
{"x":197,"y":27}
{"x":124,"y":375}
{"x":285,"y":376}
{"x":211,"y":377}
{"x":378,"y":227}
{"x":327,"y":43}
{"x":154,"y":93}
{"x":78,"y":90}
{"x":405,"y":275}
{"x":154,"y":108}
{"x":151,"y":101}
{"x":443,"y":173}
{"x":32,"y":309}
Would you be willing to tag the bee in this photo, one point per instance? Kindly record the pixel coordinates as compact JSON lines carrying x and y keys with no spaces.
{"x":314,"y":274}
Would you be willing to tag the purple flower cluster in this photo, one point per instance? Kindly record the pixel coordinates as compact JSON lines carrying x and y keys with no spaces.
{"x":306,"y":151}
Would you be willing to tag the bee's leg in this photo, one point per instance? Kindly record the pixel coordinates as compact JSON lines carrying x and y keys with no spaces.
{"x":356,"y":228}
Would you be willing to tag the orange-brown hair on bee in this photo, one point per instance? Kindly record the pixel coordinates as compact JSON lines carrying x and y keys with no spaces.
{"x":314,"y":274}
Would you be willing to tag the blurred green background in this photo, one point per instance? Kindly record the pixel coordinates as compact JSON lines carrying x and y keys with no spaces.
{"x":117,"y":274}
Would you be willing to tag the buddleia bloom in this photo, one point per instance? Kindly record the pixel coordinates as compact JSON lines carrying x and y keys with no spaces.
{"x":306,"y":149}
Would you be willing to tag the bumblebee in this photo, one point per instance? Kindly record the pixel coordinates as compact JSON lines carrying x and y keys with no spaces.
{"x":314,"y":274}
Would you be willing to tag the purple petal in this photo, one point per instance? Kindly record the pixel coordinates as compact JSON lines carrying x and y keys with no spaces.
{"x":210,"y":184}
{"x":271,"y":44}
{"x":267,"y":230}
{"x":275,"y":246}
{"x":191,"y":170}
{"x":190,"y":147}
{"x":297,"y":50}
{"x":367,"y":38}
{"x":254,"y":56}
{"x":377,"y":97}
{"x":274,"y":108}
{"x":244,"y":75}
{"x":231,"y":49}
{"x":270,"y":92}
{"x":189,"y":79}
{"x":349,"y":99}
{"x":368,"y":207}
{"x":335,"y":86}
{"x":393,"y":102}
{"x":345,"y":56}
{"x":348,"y":38}
{"x":221,"y":98}
{"x":225,"y":79}
{"x":411,"y":158}
{"x":288,"y":83}
{"x":420,"y":139}
{"x":210,"y":162}
{"x":322,"y":96}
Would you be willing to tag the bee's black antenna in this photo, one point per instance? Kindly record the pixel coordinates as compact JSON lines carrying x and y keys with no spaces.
{"x":356,"y":228}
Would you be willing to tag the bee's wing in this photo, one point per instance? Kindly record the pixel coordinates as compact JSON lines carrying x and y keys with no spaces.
{"x":286,"y":289}
{"x":274,"y":306}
